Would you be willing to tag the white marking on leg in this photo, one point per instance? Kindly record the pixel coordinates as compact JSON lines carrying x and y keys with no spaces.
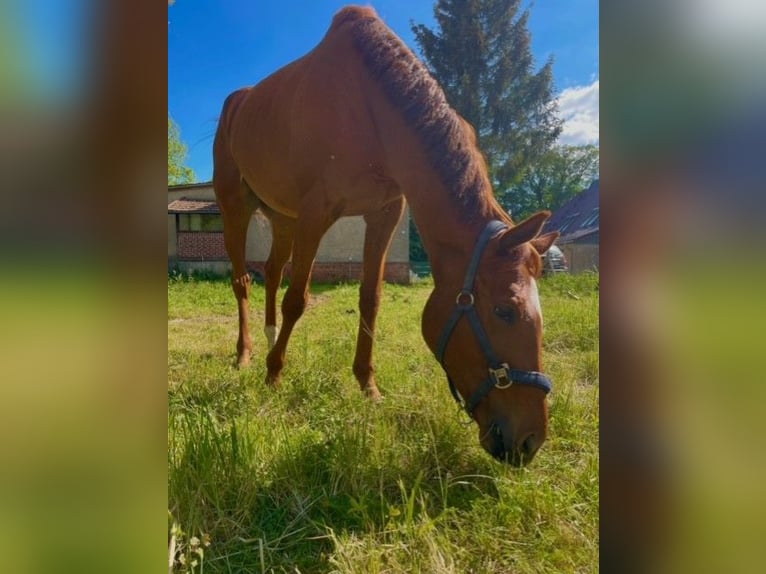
{"x":271,"y":333}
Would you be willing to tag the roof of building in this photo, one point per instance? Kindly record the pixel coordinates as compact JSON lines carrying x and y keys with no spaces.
{"x":186,"y":205}
{"x":578,"y":217}
{"x":181,"y":186}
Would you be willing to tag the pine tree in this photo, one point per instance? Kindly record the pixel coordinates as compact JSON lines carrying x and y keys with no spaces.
{"x":480,"y":52}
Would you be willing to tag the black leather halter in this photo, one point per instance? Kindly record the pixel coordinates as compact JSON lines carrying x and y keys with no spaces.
{"x":501,"y":375}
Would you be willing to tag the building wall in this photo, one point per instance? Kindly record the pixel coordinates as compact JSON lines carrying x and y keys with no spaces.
{"x":207,"y":246}
{"x":172,"y":237}
{"x":339,"y":257}
{"x":580,"y":256}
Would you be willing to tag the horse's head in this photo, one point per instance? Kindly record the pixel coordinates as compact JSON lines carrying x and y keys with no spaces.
{"x":487,"y":333}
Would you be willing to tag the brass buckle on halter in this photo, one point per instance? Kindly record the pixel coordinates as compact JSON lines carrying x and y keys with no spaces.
{"x":501,"y":376}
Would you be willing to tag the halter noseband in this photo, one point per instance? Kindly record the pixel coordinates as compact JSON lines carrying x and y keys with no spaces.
{"x":500,"y":374}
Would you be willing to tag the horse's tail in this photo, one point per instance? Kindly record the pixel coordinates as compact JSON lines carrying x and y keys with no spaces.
{"x":225,"y":171}
{"x":230,"y":106}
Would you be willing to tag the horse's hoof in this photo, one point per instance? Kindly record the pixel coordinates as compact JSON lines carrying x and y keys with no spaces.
{"x":373,"y":394}
{"x":272,"y":380}
{"x":243,"y":361}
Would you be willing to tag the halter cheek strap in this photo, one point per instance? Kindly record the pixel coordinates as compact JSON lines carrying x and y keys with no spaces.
{"x":501,"y":376}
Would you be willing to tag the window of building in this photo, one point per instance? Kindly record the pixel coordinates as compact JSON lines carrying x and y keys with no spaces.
{"x":200,"y":222}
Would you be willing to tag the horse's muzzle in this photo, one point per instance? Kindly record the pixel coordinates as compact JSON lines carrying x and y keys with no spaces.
{"x":504,"y":448}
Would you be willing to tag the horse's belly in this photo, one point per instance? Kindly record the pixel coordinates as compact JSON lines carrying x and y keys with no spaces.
{"x":276,"y":195}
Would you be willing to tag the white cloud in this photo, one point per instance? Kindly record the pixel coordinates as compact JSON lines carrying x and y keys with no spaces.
{"x":578,"y":107}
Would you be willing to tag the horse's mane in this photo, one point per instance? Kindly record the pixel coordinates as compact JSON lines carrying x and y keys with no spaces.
{"x":449,"y":141}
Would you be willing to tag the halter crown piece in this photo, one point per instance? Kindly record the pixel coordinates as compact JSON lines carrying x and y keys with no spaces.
{"x":501,"y":376}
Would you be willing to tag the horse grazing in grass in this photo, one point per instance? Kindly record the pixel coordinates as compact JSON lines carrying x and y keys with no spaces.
{"x":353,"y":128}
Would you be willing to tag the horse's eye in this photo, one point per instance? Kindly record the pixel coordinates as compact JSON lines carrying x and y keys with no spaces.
{"x":505,"y":314}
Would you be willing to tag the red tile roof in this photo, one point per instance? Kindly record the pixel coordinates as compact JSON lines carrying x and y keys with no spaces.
{"x":185,"y":205}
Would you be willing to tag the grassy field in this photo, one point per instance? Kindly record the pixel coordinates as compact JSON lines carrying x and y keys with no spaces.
{"x":314,"y":478}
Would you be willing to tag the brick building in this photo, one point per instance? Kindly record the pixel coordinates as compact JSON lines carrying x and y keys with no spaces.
{"x":195,"y":241}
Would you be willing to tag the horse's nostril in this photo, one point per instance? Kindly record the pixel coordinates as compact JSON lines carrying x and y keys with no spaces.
{"x":498,"y":446}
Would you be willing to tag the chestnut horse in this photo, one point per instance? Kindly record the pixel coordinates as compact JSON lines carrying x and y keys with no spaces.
{"x":353,"y":128}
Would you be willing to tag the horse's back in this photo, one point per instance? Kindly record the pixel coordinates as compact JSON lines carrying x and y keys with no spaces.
{"x":310,"y":124}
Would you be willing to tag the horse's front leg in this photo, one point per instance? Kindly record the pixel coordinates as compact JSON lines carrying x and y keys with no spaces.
{"x":380,"y":230}
{"x":311,"y":225}
{"x":282,"y":233}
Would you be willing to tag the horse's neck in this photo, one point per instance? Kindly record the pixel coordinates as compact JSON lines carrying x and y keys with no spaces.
{"x":448,"y":231}
{"x":447,"y":237}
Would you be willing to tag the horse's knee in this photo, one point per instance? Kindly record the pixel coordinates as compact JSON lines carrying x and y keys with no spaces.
{"x":241,"y":286}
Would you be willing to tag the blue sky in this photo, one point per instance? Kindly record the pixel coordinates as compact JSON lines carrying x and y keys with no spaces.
{"x":216,"y":47}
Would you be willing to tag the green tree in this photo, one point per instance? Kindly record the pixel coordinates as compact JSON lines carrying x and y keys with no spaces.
{"x":177,"y":171}
{"x":561,"y":173}
{"x":417,"y":251}
{"x":480,"y":52}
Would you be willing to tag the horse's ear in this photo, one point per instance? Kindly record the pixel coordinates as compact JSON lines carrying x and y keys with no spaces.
{"x":542,"y":243}
{"x":525,"y":231}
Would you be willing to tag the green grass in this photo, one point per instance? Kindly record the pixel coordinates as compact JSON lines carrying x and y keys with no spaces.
{"x":314,"y":478}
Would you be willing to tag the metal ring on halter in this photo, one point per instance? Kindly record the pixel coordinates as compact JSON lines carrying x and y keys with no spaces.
{"x":464,"y":294}
{"x":501,"y":376}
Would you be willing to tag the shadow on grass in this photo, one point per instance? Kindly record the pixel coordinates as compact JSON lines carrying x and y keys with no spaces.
{"x":280,"y":502}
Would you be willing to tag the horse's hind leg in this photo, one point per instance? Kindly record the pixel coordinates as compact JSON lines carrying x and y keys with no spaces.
{"x":377,"y":238}
{"x":282,"y":234}
{"x":237,"y":204}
